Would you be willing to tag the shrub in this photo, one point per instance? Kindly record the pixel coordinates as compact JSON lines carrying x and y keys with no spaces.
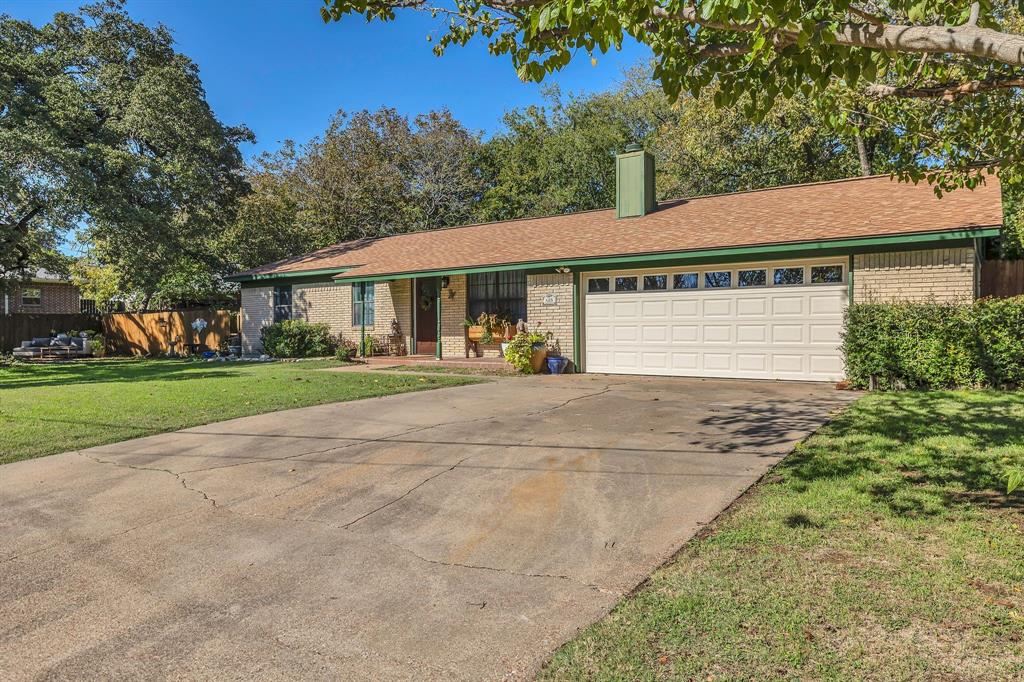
{"x":935,"y":345}
{"x":346,"y":350}
{"x":297,"y":339}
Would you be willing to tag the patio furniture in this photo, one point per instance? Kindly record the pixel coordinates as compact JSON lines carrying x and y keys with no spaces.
{"x":59,"y":347}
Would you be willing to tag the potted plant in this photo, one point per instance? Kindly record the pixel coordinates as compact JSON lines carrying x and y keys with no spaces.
{"x":527,"y":351}
{"x":486,"y":328}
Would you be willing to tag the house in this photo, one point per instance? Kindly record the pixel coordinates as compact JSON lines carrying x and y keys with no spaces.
{"x":751,"y":284}
{"x":43,"y":292}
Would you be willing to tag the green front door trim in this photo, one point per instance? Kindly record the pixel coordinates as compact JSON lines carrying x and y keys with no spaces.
{"x":633,"y":261}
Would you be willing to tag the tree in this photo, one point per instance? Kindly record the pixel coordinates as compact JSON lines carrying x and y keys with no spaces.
{"x":945,"y":76}
{"x":371,"y":174}
{"x":104,"y":128}
{"x":561,"y":157}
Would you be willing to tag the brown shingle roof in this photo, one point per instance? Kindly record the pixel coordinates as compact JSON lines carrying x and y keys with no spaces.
{"x":842,"y":209}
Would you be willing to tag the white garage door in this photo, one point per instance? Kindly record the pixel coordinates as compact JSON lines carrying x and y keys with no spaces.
{"x":757,"y":321}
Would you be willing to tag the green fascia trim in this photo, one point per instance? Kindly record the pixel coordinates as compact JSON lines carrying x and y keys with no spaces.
{"x":325,"y":275}
{"x":794,"y":249}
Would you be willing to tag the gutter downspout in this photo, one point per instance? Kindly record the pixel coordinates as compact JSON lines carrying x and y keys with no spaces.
{"x":437,"y":351}
{"x":849,"y":292}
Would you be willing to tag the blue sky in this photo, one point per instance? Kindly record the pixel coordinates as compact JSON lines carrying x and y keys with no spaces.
{"x":275,"y":66}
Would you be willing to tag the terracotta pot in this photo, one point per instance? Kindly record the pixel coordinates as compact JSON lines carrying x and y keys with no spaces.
{"x":538,"y":358}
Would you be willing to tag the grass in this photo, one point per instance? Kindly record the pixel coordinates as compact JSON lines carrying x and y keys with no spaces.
{"x":884,"y":547}
{"x":46,"y":409}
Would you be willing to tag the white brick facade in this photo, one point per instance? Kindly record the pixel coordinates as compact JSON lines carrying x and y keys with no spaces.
{"x":549,"y":308}
{"x":929,"y":274}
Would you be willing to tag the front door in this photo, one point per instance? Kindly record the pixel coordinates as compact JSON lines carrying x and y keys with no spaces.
{"x":426,"y":316}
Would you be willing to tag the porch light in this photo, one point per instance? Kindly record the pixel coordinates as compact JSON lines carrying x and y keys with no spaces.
{"x":445,"y":281}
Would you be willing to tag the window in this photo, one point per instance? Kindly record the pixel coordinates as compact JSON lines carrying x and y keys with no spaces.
{"x":826,"y":274}
{"x":362,"y":299}
{"x":655,"y":282}
{"x":500,"y":293}
{"x":685,"y":280}
{"x":788,"y":276}
{"x":282,"y":303}
{"x":718,"y":280}
{"x":625,"y":284}
{"x":752,"y":278}
{"x":32,"y":296}
{"x":597,"y":285}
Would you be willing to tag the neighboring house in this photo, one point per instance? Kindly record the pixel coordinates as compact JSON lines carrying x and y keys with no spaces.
{"x":43,"y":292}
{"x":751,"y":284}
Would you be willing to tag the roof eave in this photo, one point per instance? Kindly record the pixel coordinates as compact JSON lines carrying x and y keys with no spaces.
{"x":758,"y":249}
{"x":328,"y":273}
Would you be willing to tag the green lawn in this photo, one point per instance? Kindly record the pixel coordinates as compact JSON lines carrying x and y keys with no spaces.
{"x":883,"y":548}
{"x":45,"y":409}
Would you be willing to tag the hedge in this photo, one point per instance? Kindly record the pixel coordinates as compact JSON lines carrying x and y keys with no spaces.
{"x":298,"y":339}
{"x":935,"y":345}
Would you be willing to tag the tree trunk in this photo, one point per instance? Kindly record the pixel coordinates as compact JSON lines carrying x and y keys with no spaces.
{"x":863,"y":155}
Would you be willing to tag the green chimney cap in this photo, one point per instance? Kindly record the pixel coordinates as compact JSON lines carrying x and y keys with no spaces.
{"x":634,"y":147}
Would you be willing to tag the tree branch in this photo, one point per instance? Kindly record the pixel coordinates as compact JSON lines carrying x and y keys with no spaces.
{"x":968,"y":40}
{"x":947,"y":92}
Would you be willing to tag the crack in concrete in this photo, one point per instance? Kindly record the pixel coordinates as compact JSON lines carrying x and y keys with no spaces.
{"x":179,"y":477}
{"x":408,"y":492}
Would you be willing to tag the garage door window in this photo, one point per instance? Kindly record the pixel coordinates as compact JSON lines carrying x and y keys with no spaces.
{"x":625,"y":284}
{"x":655,"y":282}
{"x":597,"y":285}
{"x":752,"y":278}
{"x":685,"y":280}
{"x":721,"y":279}
{"x":826,"y":274}
{"x":788,"y":276}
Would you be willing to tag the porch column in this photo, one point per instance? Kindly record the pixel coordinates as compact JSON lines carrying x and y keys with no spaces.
{"x":437,"y":307}
{"x":362,"y":318}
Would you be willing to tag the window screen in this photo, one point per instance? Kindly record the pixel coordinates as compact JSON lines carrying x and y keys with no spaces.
{"x":501,"y":293}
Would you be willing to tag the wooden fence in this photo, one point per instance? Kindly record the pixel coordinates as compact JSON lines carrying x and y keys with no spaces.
{"x":157,"y":333}
{"x":1002,"y":278}
{"x":165,"y":332}
{"x":25,"y":326}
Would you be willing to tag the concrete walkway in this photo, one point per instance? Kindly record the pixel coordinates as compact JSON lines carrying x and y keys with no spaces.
{"x":463,"y":533}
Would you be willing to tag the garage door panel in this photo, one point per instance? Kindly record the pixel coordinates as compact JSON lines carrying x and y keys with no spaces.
{"x":787,"y":333}
{"x":655,"y":310}
{"x":717,"y":362}
{"x":826,"y":333}
{"x":717,"y":307}
{"x":717,"y":333}
{"x":751,"y":333}
{"x":752,"y":306}
{"x":787,"y":305}
{"x":685,"y":308}
{"x":791,"y":332}
{"x":654,"y":333}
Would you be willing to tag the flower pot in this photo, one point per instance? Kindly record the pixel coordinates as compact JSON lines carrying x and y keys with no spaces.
{"x":537,"y":359}
{"x":557,"y":364}
{"x":476,"y":332}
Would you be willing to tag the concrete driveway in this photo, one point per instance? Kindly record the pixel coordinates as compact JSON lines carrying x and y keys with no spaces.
{"x":463,"y":533}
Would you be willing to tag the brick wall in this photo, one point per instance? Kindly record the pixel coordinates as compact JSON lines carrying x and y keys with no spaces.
{"x":330,"y":304}
{"x":453,"y":313}
{"x":552,"y":317}
{"x":257,"y":312}
{"x":931,"y":274}
{"x":55,"y":298}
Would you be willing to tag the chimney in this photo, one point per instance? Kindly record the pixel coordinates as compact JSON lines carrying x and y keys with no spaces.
{"x":634,"y":183}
